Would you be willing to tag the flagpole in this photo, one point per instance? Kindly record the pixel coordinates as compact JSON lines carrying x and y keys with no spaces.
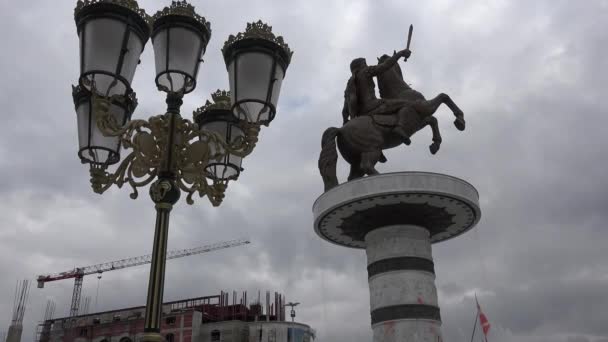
{"x":475,"y":325}
{"x":478,"y":316}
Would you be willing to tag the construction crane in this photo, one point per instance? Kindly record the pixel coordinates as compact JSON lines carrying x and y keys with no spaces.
{"x":78,"y":273}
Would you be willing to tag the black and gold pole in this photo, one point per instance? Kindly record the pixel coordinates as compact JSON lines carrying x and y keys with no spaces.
{"x":164,"y":193}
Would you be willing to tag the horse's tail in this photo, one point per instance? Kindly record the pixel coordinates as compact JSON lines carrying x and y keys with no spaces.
{"x":328,"y":159}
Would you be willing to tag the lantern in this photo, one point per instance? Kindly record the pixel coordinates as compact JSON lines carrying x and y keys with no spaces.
{"x":217,"y":117}
{"x":112,"y":37}
{"x":180,"y":37}
{"x":94,"y":147}
{"x":256,"y":62}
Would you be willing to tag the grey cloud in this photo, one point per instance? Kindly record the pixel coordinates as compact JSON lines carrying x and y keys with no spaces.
{"x":530,"y":77}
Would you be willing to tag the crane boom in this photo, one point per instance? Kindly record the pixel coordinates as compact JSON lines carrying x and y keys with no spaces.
{"x":79,"y":272}
{"x":135,"y":261}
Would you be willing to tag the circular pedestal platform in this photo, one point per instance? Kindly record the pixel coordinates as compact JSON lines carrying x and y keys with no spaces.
{"x":445,"y":205}
{"x":396,"y":217}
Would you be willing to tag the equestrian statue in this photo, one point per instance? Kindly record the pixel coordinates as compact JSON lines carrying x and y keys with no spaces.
{"x":373,"y":124}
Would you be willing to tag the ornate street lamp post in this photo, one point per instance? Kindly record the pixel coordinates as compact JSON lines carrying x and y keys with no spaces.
{"x":167,"y":152}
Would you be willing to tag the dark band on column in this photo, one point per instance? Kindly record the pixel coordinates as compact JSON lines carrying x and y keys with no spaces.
{"x":406,"y":311}
{"x":400,"y":264}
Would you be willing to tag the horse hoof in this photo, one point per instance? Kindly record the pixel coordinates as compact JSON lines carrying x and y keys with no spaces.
{"x":459,"y":123}
{"x":434,"y":148}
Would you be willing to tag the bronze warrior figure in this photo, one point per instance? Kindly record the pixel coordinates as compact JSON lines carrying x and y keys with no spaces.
{"x":372,"y":125}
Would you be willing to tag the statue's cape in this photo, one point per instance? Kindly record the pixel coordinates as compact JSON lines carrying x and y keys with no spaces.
{"x":350,"y":94}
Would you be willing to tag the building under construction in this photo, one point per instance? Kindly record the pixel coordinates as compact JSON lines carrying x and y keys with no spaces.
{"x":16,"y":328}
{"x":219,"y":318}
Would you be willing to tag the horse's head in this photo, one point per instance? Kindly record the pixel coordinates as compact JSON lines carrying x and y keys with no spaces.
{"x":390,"y":81}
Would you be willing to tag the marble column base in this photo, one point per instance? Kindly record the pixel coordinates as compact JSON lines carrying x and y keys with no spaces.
{"x":403,"y":296}
{"x":396,"y":217}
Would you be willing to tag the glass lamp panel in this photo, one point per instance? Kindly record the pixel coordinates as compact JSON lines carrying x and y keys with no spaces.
{"x":250,"y":81}
{"x":159,"y":41}
{"x":102,"y":41}
{"x":94,"y":146}
{"x":219,"y":127}
{"x":110,"y":143}
{"x":134,"y":49}
{"x":217,"y":168}
{"x":276,"y":87}
{"x":237,"y":161}
{"x":83,"y":118}
{"x":184,"y":51}
{"x":234,"y":161}
{"x":228,"y":166}
{"x":231,"y":83}
{"x":235,"y":132}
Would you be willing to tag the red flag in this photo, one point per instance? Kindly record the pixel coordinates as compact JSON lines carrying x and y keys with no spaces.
{"x":483,"y":320}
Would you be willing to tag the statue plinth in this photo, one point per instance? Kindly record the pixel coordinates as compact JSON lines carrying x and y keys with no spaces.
{"x":396,"y":217}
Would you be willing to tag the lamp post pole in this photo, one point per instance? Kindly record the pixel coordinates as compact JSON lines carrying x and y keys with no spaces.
{"x":169,"y":153}
{"x":164,"y":193}
{"x":156,"y":283}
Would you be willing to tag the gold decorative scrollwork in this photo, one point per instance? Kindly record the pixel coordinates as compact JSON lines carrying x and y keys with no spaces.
{"x":191,"y":152}
{"x":159,"y":191}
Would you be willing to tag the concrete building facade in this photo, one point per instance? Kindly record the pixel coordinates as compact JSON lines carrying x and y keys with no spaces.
{"x":204,"y":319}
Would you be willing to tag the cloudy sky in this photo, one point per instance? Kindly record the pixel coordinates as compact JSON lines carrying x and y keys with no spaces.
{"x":531,"y":77}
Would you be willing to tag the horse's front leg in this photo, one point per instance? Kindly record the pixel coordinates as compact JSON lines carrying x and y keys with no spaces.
{"x":459,"y":122}
{"x":432,"y":121}
{"x":428,"y":108}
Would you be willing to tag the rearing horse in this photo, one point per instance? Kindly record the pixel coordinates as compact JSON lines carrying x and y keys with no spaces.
{"x":362,"y":139}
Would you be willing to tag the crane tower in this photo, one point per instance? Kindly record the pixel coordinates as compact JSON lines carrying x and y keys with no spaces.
{"x":78,"y":273}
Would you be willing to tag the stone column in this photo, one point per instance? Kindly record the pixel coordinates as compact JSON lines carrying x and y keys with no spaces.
{"x":396,"y":217}
{"x":403,"y":296}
